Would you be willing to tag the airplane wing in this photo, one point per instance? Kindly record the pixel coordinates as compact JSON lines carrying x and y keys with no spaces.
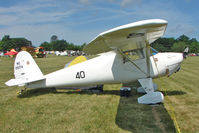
{"x":127,"y":37}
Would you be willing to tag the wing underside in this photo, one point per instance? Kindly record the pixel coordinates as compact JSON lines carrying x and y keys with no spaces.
{"x":127,"y":37}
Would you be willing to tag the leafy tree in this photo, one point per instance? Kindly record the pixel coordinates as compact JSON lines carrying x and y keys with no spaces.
{"x":159,"y":47}
{"x":53,"y":38}
{"x":4,"y":46}
{"x":82,"y":46}
{"x":6,"y":38}
{"x":59,"y":45}
{"x":193,"y":40}
{"x":183,"y":38}
{"x":163,"y":44}
{"x":70,"y":46}
{"x":21,"y":42}
{"x":178,"y":47}
{"x":8,"y":43}
{"x":194,"y":47}
{"x":47,"y":46}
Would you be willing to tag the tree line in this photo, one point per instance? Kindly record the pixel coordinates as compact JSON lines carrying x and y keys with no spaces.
{"x":60,"y":45}
{"x":176,"y":45}
{"x":162,"y":44}
{"x":8,"y":43}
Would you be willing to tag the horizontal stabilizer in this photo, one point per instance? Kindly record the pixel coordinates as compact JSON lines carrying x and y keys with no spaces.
{"x":13,"y":82}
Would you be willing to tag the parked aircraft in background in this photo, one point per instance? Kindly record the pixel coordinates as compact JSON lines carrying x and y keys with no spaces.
{"x":61,"y":53}
{"x":11,"y":53}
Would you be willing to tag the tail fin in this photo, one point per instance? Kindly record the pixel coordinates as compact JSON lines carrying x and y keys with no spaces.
{"x":25,"y":70}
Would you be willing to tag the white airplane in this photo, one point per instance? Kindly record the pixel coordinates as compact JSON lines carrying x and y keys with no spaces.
{"x":61,"y":53}
{"x":124,"y":57}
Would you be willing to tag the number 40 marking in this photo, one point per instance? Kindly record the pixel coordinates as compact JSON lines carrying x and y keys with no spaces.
{"x":80,"y":75}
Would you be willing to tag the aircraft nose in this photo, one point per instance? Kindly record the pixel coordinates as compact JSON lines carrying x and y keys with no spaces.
{"x":174,"y":61}
{"x":175,"y":58}
{"x":179,"y":57}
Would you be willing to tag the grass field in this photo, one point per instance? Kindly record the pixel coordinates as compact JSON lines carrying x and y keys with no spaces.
{"x":42,"y":110}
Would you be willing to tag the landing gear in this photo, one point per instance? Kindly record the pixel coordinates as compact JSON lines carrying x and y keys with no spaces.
{"x":150,"y":97}
{"x":97,"y":89}
{"x":22,"y":91}
{"x":100,"y":88}
{"x":125,"y":92}
{"x":53,"y":89}
{"x":141,"y":89}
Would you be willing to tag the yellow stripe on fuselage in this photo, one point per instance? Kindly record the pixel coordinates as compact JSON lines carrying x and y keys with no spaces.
{"x":77,"y":60}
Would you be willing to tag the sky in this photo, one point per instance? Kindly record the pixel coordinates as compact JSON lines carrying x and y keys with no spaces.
{"x":79,"y":21}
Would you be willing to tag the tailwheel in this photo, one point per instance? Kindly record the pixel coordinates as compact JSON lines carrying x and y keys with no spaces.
{"x":21,"y":92}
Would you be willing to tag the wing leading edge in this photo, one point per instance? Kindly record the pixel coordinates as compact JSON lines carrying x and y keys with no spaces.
{"x":127,"y":37}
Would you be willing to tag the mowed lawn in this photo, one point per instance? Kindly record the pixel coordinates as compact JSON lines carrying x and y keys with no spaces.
{"x":42,"y":110}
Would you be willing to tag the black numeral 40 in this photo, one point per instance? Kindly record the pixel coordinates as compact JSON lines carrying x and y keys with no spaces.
{"x":80,"y":75}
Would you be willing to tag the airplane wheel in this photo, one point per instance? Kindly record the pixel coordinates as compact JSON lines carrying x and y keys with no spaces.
{"x":21,"y":92}
{"x":53,"y":90}
{"x":100,"y":88}
{"x":125,"y":92}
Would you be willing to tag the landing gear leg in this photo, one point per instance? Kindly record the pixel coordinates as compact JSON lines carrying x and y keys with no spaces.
{"x":22,"y":91}
{"x":150,"y":97}
{"x":142,"y":90}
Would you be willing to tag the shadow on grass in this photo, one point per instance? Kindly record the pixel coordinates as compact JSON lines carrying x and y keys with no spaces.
{"x":170,"y":93}
{"x":131,"y":116}
{"x":43,"y":91}
{"x":139,"y":118}
{"x":36,"y":92}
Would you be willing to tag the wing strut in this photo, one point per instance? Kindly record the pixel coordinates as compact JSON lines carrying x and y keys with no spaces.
{"x":120,"y":51}
{"x":148,"y":58}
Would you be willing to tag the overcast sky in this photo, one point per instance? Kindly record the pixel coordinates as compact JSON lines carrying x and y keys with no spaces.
{"x":79,"y":21}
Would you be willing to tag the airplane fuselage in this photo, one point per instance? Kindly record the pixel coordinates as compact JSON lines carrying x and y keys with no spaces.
{"x":110,"y":68}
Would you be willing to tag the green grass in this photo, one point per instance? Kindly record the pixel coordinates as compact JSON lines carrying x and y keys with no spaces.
{"x":42,"y":110}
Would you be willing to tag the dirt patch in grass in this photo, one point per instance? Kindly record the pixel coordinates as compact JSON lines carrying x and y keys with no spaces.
{"x":158,"y":120}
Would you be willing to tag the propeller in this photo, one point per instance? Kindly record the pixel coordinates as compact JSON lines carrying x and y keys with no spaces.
{"x":185,"y":52}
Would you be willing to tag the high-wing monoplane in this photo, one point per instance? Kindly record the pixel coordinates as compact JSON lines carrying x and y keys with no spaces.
{"x":124,"y":56}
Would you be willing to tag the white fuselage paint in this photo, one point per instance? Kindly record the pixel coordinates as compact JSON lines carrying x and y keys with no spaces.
{"x":109,"y":68}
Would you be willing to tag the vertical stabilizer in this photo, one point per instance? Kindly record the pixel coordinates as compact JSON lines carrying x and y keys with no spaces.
{"x":25,"y":70}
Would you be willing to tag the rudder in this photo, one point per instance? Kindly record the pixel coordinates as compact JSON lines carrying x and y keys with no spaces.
{"x":25,"y":70}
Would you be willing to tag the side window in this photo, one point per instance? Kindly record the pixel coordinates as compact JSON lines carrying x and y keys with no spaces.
{"x":135,"y":54}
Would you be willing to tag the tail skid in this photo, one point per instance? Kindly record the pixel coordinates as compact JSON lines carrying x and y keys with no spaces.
{"x":25,"y":70}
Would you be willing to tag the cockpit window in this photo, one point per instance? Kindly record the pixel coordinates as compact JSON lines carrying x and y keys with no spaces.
{"x":135,"y":54}
{"x":138,"y":53}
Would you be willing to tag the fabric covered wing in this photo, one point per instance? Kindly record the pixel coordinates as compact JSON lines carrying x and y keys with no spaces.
{"x":127,"y":37}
